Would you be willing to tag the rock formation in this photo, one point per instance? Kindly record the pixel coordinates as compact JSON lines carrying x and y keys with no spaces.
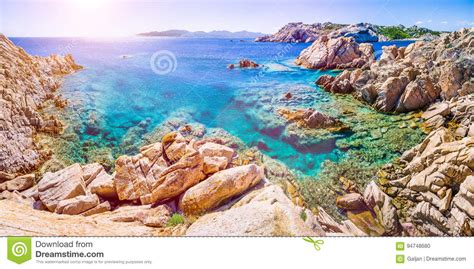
{"x":432,"y":186}
{"x":411,"y":78}
{"x":219,"y":187}
{"x":361,"y":32}
{"x":265,"y":211}
{"x":26,"y":83}
{"x":170,"y":175}
{"x":246,"y":63}
{"x":300,"y":33}
{"x":335,"y":53}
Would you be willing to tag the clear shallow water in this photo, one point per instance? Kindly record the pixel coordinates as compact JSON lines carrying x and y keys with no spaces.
{"x":118,"y":89}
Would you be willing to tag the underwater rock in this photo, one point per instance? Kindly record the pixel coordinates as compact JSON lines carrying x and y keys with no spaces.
{"x":335,"y":53}
{"x":27,"y":83}
{"x":411,"y":78}
{"x":309,"y":118}
{"x":220,"y":187}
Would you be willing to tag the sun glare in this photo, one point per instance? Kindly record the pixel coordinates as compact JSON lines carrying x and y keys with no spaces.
{"x":88,"y":4}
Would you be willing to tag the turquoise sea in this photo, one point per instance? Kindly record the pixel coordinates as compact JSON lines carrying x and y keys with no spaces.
{"x":125,"y":84}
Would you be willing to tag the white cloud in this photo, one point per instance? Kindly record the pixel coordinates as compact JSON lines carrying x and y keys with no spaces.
{"x":419,"y":22}
{"x":444,"y":22}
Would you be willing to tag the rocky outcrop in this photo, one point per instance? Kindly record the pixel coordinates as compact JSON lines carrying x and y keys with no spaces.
{"x":103,"y":185}
{"x":411,"y":78}
{"x":300,"y":33}
{"x":371,"y":212}
{"x":335,"y":53}
{"x":18,"y":219}
{"x":19,"y":183}
{"x":74,"y":189}
{"x":26,"y":83}
{"x":246,"y":63}
{"x":263,"y":212}
{"x":87,"y":195}
{"x":219,"y":187}
{"x":185,"y":171}
{"x":61,"y":185}
{"x":216,"y":157}
{"x":432,"y":186}
{"x":361,"y":32}
{"x":77,"y":205}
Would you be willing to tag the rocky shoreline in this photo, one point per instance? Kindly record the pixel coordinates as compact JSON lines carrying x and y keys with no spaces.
{"x":361,"y":32}
{"x":411,"y":78}
{"x":186,"y":181}
{"x":28,"y":85}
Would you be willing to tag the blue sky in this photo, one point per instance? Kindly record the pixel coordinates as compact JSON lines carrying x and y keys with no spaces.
{"x":127,"y":17}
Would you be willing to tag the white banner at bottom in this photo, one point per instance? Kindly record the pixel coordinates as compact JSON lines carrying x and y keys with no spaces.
{"x":235,"y":252}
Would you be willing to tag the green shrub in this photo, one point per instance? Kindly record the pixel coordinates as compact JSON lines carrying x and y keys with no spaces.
{"x":393,"y":32}
{"x":175,"y":219}
{"x":303,"y":215}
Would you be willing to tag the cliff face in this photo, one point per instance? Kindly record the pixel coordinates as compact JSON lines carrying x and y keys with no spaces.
{"x":26,"y":82}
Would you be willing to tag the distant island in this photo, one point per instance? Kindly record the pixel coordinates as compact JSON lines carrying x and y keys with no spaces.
{"x":300,"y":32}
{"x":202,"y":34}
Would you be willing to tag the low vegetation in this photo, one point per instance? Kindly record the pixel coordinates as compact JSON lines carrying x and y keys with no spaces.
{"x":402,"y":32}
